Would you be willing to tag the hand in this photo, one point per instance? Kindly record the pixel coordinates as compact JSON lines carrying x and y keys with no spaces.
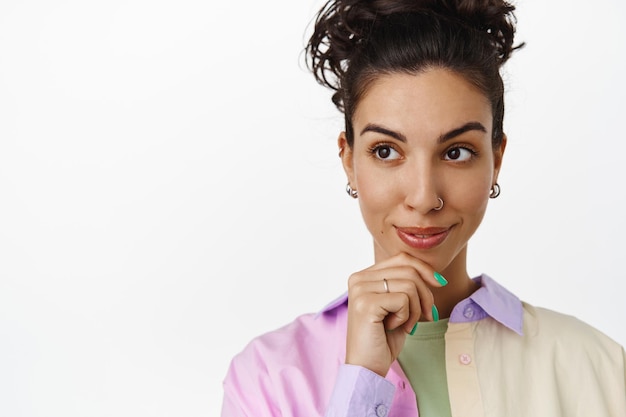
{"x":378,"y":321}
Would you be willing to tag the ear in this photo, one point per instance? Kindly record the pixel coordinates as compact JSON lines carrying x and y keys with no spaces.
{"x":346,"y":155}
{"x":497,"y":158}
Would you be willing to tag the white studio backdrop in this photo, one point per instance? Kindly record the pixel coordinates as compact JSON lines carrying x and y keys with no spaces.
{"x":170,"y":188}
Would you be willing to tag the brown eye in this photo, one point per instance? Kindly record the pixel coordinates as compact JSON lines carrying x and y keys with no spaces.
{"x":385,"y":152}
{"x":454,"y":154}
{"x":459,"y":154}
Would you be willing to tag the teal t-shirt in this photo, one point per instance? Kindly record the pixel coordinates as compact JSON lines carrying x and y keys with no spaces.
{"x":423,"y":360}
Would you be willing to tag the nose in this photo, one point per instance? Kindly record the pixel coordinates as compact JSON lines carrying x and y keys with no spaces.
{"x":422,"y":188}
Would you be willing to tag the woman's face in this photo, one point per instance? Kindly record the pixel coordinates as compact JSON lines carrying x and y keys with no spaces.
{"x":418,"y":138}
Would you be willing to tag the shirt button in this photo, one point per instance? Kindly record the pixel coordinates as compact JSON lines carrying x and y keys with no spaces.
{"x":468,"y":313}
{"x":465,"y":359}
{"x":381,"y":410}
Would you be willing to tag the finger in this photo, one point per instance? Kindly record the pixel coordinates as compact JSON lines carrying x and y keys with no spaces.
{"x":378,"y":275}
{"x":426,"y":271}
{"x":374,"y":281}
{"x":390,"y":309}
{"x":420,"y":297}
{"x":421,"y":300}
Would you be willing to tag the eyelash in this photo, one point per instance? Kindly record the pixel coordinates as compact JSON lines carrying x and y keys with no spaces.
{"x":376,"y":147}
{"x":474,"y":153}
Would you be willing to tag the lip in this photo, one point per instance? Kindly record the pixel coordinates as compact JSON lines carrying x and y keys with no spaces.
{"x":423,"y":237}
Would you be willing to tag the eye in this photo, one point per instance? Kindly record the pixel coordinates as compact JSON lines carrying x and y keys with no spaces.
{"x":385,"y":152}
{"x":459,"y":154}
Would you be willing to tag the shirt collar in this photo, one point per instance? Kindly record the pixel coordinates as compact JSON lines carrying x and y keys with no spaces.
{"x":490,"y":300}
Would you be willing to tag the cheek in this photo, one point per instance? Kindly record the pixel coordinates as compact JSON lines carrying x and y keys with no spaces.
{"x":377,"y":197}
{"x":472,"y":197}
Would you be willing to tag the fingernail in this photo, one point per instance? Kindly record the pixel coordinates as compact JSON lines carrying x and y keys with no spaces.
{"x":414,"y":329}
{"x":440,"y":279}
{"x":435,"y":313}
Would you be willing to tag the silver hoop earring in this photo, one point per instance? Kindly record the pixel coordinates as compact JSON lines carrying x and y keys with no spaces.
{"x":352,"y":193}
{"x":495,"y":191}
{"x":440,"y":204}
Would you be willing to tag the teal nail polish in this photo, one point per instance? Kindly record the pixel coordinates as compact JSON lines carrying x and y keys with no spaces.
{"x":440,"y":279}
{"x":435,"y":313}
{"x":413,"y":329}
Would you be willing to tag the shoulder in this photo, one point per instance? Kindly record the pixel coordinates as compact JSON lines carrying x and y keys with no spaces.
{"x":571,"y":337}
{"x":302,"y":356}
{"x":309,"y":334}
{"x":582,"y":359}
{"x":543,"y":321}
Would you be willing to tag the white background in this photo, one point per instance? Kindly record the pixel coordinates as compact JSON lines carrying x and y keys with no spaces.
{"x":170,"y":188}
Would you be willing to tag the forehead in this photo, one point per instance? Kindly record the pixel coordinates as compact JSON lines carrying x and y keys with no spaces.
{"x":427,"y":103}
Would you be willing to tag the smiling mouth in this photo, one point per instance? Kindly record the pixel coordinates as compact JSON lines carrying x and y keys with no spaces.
{"x":423,"y":237}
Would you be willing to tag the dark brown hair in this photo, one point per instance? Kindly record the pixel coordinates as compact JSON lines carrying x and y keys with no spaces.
{"x":356,"y":41}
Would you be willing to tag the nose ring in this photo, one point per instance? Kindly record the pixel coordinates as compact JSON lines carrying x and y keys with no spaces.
{"x":440,"y":204}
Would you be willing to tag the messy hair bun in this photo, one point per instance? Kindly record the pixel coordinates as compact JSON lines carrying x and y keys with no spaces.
{"x":355,"y":41}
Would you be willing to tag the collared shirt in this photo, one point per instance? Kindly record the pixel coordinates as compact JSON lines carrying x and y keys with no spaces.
{"x":489,"y":300}
{"x":503,"y":358}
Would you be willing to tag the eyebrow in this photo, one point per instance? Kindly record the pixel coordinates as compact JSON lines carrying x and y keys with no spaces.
{"x":459,"y":131}
{"x":441,"y":139}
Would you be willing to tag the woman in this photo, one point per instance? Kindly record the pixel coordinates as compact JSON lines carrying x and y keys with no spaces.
{"x":419,"y":84}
